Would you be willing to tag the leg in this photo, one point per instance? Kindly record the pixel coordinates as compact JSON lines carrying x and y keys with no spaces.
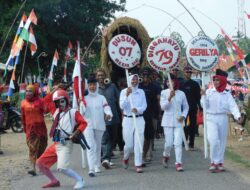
{"x":47,"y":159}
{"x":128,"y":136}
{"x":169,"y":140}
{"x":213,"y":138}
{"x":178,"y":145}
{"x":137,"y":152}
{"x":98,"y":141}
{"x":223,"y":131}
{"x":90,"y":138}
{"x":192,"y":128}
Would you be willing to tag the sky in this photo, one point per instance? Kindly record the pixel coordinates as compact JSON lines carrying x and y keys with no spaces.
{"x":157,"y":22}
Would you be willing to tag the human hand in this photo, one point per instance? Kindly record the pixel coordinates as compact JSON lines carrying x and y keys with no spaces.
{"x":129,"y":91}
{"x":203,"y":92}
{"x":75,"y":135}
{"x":181,"y":119}
{"x":108,"y":117}
{"x":171,"y":95}
{"x":134,"y":110}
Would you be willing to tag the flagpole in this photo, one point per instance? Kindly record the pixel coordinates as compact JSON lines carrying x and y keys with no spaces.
{"x":7,"y":35}
{"x":24,"y":58}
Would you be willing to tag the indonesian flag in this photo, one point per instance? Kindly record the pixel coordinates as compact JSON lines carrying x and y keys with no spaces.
{"x":24,"y":34}
{"x":54,"y":63}
{"x":78,"y":96}
{"x":32,"y":40}
{"x":66,"y":60}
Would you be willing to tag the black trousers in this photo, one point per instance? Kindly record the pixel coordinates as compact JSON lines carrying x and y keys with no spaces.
{"x":191,"y":129}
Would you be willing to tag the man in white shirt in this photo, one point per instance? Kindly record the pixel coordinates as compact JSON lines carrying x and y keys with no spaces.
{"x":137,"y":96}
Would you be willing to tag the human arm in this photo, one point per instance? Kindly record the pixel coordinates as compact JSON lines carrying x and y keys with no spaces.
{"x":107,"y":109}
{"x":164,"y":102}
{"x":142,"y":106}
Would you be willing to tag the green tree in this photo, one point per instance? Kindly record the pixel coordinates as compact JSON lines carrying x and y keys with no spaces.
{"x":58,"y":22}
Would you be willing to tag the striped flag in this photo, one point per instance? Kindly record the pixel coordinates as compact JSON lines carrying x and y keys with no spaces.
{"x":54,"y":63}
{"x":32,"y":40}
{"x":66,"y":60}
{"x":78,"y":97}
{"x":10,"y":60}
{"x":24,"y":36}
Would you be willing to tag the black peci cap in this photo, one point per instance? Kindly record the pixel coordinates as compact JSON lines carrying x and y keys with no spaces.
{"x":221,"y":72}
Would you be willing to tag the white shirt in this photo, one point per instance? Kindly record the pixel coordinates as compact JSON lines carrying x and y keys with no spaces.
{"x":178,"y":106}
{"x":139,"y":101}
{"x":220,"y":103}
{"x":96,"y":107}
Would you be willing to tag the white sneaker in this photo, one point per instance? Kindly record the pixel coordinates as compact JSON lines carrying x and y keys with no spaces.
{"x":97,"y":169}
{"x":111,"y":163}
{"x":79,"y":184}
{"x":105,"y":164}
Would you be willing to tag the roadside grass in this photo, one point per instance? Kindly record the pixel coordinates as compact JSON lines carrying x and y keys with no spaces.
{"x":230,"y":154}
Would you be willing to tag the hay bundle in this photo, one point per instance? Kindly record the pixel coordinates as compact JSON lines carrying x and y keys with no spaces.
{"x":124,"y":25}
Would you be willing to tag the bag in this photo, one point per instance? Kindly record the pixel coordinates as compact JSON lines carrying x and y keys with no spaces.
{"x":199,"y":118}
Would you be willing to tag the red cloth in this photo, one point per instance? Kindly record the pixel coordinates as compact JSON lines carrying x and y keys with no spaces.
{"x":32,"y":117}
{"x":49,"y":157}
{"x":223,"y":82}
{"x":176,"y":84}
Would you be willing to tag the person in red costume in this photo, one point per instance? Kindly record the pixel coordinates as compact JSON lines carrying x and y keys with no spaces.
{"x":32,"y":110}
{"x":65,"y":118}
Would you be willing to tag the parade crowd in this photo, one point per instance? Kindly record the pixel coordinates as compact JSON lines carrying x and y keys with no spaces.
{"x":127,"y":118}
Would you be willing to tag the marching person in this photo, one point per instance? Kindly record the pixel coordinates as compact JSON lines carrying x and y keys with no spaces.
{"x":97,"y":111}
{"x":34,"y":127}
{"x":65,"y":120}
{"x":151,"y":94}
{"x":192,"y":91}
{"x":219,"y":102}
{"x":175,"y":106}
{"x":129,"y":132}
{"x":111,"y":93}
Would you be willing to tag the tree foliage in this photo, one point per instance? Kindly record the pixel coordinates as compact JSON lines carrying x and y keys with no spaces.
{"x":58,"y":22}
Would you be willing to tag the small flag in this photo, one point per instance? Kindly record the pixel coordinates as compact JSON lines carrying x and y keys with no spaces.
{"x":66,"y":60}
{"x":248,"y":15}
{"x":32,"y":40}
{"x":54,"y":63}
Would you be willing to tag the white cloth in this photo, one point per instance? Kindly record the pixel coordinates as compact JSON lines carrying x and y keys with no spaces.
{"x":94,"y":139}
{"x":129,"y":136}
{"x":220,"y":103}
{"x":63,"y":154}
{"x":131,"y":140}
{"x":217,"y":107}
{"x":66,"y":122}
{"x":138,"y":98}
{"x":173,"y":137}
{"x":178,"y":106}
{"x":96,"y":107}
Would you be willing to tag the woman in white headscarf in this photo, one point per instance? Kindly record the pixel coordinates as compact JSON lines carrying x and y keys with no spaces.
{"x":97,"y":110}
{"x":129,"y":134}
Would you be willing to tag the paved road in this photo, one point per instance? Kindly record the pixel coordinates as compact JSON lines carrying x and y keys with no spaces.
{"x":155,"y":177}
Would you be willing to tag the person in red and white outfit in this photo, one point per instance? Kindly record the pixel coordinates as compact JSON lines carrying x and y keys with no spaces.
{"x":65,"y":119}
{"x":175,"y":106}
{"x":219,"y":102}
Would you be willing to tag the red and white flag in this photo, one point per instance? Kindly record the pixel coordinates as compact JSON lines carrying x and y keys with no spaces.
{"x":32,"y":40}
{"x":78,"y":97}
{"x":54,"y":63}
{"x":248,"y":15}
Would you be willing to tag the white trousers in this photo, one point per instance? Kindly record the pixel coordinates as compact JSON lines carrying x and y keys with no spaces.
{"x":131,"y":140}
{"x":217,"y":126}
{"x":173,"y":137}
{"x":94,"y":139}
{"x":63,"y":154}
